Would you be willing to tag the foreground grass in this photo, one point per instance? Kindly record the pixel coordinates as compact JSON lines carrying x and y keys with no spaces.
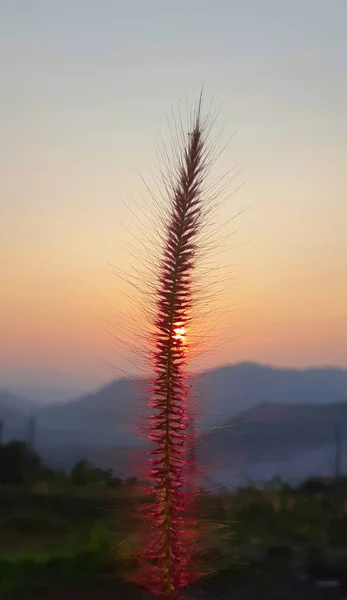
{"x":82,"y":538}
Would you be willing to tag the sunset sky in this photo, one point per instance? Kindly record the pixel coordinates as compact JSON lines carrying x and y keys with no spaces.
{"x":85,"y":87}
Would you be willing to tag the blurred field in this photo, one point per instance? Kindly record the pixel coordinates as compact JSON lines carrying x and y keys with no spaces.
{"x":80,"y":537}
{"x":78,"y":532}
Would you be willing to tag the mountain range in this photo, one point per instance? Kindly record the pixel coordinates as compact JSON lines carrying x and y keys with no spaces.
{"x":253,"y":419}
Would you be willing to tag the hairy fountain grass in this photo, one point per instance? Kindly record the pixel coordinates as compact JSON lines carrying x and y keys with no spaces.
{"x":177,"y":297}
{"x":173,"y":532}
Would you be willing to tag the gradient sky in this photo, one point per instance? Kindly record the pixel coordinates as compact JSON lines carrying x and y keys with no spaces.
{"x":85,"y":87}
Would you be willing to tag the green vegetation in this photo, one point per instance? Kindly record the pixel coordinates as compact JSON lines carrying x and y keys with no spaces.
{"x":77,"y":529}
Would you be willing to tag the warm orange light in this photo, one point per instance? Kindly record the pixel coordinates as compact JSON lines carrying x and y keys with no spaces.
{"x":179,"y":334}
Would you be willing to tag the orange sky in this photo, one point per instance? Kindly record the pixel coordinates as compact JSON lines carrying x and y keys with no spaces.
{"x":82,"y":109}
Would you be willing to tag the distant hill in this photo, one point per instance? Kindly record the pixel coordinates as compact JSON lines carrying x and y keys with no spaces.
{"x":10,"y":417}
{"x":283,"y":429}
{"x":14,"y":413}
{"x":104,"y":416}
{"x":112,"y":412}
{"x":268,"y":440}
{"x":44,"y":395}
{"x":17,"y":403}
{"x":253,"y":416}
{"x":236,"y":388}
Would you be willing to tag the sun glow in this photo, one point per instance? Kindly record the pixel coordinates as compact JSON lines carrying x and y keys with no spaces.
{"x":179,"y":334}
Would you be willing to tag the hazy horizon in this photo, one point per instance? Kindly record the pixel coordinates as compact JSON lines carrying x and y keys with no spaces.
{"x":86,"y":87}
{"x":44,"y":395}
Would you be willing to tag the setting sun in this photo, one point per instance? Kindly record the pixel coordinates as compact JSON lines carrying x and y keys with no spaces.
{"x":179,"y":334}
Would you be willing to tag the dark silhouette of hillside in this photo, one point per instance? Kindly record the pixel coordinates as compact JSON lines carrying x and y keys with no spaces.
{"x":14,"y":414}
{"x":252,"y":415}
{"x":285,"y":429}
{"x":224,"y":393}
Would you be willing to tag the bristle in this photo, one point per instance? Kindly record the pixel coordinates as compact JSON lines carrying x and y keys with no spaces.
{"x":171,"y":540}
{"x":174,"y":307}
